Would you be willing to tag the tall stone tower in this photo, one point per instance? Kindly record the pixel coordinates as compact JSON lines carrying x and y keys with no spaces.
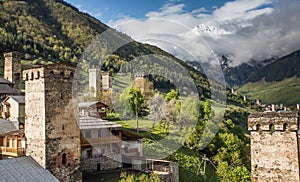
{"x":12,"y":69}
{"x":52,"y":133}
{"x":106,"y":80}
{"x":94,"y":81}
{"x":274,"y":146}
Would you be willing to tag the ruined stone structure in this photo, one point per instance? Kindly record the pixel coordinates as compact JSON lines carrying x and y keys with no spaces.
{"x":274,"y":146}
{"x":52,"y":133}
{"x":12,"y":69}
{"x":106,"y":80}
{"x":94,"y":81}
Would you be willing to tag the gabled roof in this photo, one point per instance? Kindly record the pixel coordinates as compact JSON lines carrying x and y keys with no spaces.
{"x":6,"y":126}
{"x":4,"y":81}
{"x":89,"y":104}
{"x":18,"y":99}
{"x":24,"y":169}
{"x":86,"y":104}
{"x":5,"y":89}
{"x":19,"y":133}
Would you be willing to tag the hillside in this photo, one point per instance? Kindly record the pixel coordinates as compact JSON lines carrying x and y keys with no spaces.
{"x":54,"y":31}
{"x":238,"y":75}
{"x":48,"y":31}
{"x":278,"y":82}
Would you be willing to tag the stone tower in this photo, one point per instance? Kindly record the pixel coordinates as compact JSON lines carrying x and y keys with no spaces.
{"x":106,"y":80}
{"x":12,"y":69}
{"x":52,"y":133}
{"x":94,"y":81}
{"x":274,"y":146}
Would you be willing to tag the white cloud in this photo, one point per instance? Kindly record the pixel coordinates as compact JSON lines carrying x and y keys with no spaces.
{"x":98,"y":14}
{"x":257,"y":30}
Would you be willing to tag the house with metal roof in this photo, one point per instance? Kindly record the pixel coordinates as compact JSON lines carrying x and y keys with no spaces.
{"x":13,"y":109}
{"x":6,"y":88}
{"x":100,"y":144}
{"x":24,"y":169}
{"x":94,"y":109}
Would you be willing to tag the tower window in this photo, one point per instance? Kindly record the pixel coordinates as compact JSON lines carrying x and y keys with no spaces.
{"x":26,"y":77}
{"x":258,"y":127}
{"x":61,"y":96}
{"x":64,"y":159}
{"x":272,"y":127}
{"x":285,"y":126}
{"x":38,"y":75}
{"x":71,"y":75}
{"x":63,"y":127}
{"x":32,"y":76}
{"x":62,"y":74}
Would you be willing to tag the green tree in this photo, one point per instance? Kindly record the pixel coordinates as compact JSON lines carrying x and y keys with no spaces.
{"x":136,"y":99}
{"x":173,"y":94}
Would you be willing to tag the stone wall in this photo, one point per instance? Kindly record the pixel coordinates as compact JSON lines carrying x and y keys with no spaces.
{"x":90,"y":165}
{"x":274,"y":146}
{"x":52,"y":132}
{"x":94,"y":81}
{"x":12,"y":69}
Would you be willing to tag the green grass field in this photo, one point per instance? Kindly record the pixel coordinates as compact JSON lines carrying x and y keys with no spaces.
{"x":286,"y":92}
{"x":143,"y":123}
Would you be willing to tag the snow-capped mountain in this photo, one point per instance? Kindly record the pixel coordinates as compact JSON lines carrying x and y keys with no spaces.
{"x":210,"y":31}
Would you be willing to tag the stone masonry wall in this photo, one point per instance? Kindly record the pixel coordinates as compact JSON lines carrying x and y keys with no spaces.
{"x":35,"y":118}
{"x":59,"y":132}
{"x":12,"y":69}
{"x":274,"y":147}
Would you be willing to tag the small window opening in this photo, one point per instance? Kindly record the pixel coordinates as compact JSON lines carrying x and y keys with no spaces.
{"x":272,"y":127}
{"x":258,"y":127}
{"x":285,"y":126}
{"x":38,"y":75}
{"x":64,"y":159}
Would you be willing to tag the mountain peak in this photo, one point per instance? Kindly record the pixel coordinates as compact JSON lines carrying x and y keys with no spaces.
{"x":210,"y":31}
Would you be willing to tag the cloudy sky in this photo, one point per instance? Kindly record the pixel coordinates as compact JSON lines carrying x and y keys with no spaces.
{"x":199,"y":29}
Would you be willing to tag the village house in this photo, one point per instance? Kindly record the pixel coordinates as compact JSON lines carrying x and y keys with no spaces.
{"x":6,"y":89}
{"x":93,"y":109}
{"x":100,"y":144}
{"x":13,"y":109}
{"x":12,"y":144}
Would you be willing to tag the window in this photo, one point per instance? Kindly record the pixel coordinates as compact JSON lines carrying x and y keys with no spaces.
{"x":32,"y":76}
{"x":71,"y":75}
{"x":64,"y":159}
{"x":62,"y":74}
{"x":258,"y":127}
{"x":272,"y":127}
{"x":88,"y":134}
{"x":285,"y":126}
{"x":99,"y":132}
{"x":38,"y":75}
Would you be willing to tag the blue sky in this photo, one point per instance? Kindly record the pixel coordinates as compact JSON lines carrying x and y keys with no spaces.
{"x":110,"y":10}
